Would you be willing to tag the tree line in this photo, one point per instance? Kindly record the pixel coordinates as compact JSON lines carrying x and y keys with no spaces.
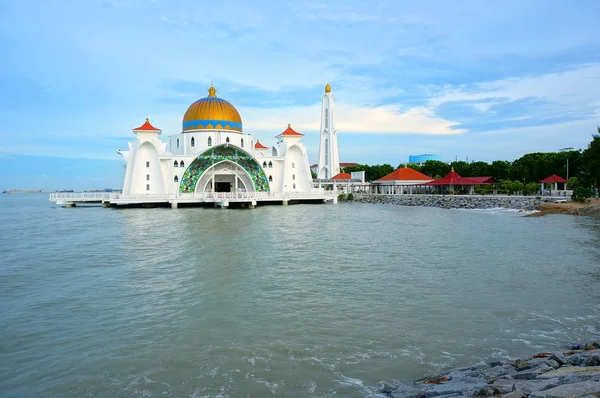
{"x":583,"y":165}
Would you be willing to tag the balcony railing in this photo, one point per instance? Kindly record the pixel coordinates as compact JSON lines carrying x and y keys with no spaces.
{"x":192,"y":197}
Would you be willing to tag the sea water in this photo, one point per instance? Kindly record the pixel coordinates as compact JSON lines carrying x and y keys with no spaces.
{"x":294,"y":301}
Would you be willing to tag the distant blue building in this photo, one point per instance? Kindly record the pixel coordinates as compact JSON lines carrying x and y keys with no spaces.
{"x":412,"y":159}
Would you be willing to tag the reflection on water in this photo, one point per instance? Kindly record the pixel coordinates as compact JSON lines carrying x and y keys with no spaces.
{"x":291,"y":301}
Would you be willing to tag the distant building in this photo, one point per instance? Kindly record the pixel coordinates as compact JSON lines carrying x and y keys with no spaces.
{"x":568,"y":149}
{"x":420,"y":159}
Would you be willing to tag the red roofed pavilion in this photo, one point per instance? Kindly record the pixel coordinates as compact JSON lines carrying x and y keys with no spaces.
{"x":147,"y":127}
{"x":453,"y":178}
{"x":554,"y":179}
{"x":395,"y":182}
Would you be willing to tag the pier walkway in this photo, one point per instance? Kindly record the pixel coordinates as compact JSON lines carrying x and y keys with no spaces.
{"x":222,"y":199}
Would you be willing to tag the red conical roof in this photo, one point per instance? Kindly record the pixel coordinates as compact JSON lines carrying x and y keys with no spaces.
{"x":405,"y":174}
{"x":258,"y":145}
{"x":553,"y":178}
{"x":453,"y":178}
{"x":342,"y":176}
{"x":147,"y":127}
{"x":290,"y":132}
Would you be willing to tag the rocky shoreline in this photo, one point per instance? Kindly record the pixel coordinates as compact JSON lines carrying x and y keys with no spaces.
{"x":570,"y":373}
{"x":455,"y":202}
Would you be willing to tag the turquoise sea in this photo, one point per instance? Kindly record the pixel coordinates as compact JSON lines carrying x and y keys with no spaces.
{"x":296,"y":301}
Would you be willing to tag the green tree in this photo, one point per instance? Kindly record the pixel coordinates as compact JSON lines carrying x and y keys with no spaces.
{"x":517,"y":186}
{"x":479,"y":169}
{"x":580,"y":194}
{"x":435,"y":167}
{"x":372,"y":173}
{"x":573,"y":183}
{"x":506,"y":186}
{"x":591,"y":162}
{"x":462,"y":168}
{"x":500,"y":170}
{"x":531,"y":188}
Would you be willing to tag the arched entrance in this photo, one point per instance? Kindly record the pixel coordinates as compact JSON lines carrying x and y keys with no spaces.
{"x":225,"y":176}
{"x":232,"y":165}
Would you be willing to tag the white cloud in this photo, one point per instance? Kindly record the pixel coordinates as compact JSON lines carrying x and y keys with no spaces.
{"x":351,"y":119}
{"x":575,"y":88}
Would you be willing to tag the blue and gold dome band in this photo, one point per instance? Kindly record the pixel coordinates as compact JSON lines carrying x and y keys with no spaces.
{"x":211,"y":124}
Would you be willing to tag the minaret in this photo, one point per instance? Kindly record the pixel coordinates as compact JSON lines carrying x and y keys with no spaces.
{"x":329,"y":160}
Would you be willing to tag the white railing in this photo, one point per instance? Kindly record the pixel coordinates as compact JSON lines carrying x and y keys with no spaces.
{"x":206,"y":196}
{"x":82,"y":196}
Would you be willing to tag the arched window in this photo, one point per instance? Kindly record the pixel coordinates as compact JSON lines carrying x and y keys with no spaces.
{"x":326,"y":151}
{"x":209,"y":141}
{"x":327,"y":118}
{"x":177,"y":142}
{"x":193,"y":142}
{"x":175,"y":164}
{"x":181,"y":164}
{"x":270,"y":178}
{"x":264,"y":165}
{"x":175,"y":179}
{"x":270,"y":165}
{"x":294,"y":186}
{"x":242,"y":143}
{"x":294,"y":177}
{"x":293,"y":165}
{"x":227,"y":140}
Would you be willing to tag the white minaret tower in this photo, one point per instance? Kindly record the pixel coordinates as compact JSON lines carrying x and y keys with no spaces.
{"x":329,"y":160}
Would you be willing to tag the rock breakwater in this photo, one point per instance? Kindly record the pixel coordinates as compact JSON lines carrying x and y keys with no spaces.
{"x":572,"y":373}
{"x":454,"y":202}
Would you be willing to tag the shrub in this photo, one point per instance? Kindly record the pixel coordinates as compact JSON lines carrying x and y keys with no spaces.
{"x":517,"y":186}
{"x":341,"y":197}
{"x":531,"y":188}
{"x":573,"y":183}
{"x":350,"y":196}
{"x":580,"y":194}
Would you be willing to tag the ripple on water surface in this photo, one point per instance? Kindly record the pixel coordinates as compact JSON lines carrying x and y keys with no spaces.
{"x":286,"y":301}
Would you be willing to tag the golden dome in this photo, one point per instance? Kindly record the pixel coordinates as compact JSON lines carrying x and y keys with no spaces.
{"x":212,"y":113}
{"x":327,"y":88}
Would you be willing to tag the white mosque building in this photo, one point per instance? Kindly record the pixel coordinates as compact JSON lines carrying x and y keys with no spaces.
{"x":213,"y":154}
{"x":213,"y":159}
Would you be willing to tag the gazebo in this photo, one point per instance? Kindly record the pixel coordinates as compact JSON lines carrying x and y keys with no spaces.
{"x":453,"y":178}
{"x":403,"y":177}
{"x":554,"y":179}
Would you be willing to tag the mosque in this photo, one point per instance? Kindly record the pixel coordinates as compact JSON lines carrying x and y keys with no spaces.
{"x":214,"y":160}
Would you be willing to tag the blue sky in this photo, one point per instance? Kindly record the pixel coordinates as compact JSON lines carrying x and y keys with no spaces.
{"x":479,"y":79}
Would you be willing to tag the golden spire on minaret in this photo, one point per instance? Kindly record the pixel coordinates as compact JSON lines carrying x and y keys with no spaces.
{"x":212,"y":91}
{"x":327,"y":88}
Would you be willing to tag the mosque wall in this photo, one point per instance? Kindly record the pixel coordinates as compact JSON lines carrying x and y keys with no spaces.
{"x":297,"y":170}
{"x":147,"y":173}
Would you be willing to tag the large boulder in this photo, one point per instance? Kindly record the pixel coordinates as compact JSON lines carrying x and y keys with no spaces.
{"x":569,"y":390}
